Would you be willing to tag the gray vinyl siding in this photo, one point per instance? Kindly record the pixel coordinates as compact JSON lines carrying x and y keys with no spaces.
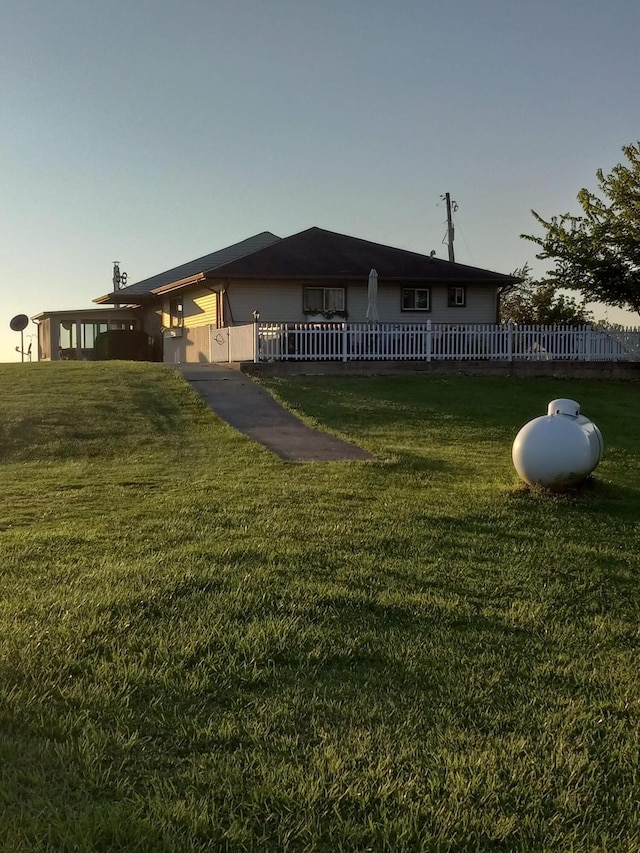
{"x":281,"y":302}
{"x":277,"y":302}
{"x":480,"y":306}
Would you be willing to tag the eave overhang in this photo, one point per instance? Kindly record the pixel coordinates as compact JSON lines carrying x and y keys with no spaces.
{"x":498,"y":281}
{"x":138,"y":299}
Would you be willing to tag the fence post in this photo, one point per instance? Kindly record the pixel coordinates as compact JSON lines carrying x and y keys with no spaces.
{"x":429,"y":340}
{"x":256,"y":337}
{"x":510,"y":340}
{"x":345,"y":347}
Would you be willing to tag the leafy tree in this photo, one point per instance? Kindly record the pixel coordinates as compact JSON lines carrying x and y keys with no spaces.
{"x":539,"y":303}
{"x":598,"y":252}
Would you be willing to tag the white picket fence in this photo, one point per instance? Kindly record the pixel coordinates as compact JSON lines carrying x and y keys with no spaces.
{"x":441,"y":341}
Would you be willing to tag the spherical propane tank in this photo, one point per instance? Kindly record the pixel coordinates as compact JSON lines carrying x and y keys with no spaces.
{"x":558,"y":449}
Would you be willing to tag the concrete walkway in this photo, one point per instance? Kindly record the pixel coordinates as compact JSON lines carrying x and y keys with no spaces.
{"x":247,"y":407}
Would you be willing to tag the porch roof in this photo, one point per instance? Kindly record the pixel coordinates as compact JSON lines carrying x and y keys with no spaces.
{"x":88,"y":314}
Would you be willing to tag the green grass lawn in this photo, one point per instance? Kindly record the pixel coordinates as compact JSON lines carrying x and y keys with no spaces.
{"x":205,"y":648}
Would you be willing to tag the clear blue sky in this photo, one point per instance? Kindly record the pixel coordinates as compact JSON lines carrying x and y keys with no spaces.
{"x":155,"y":131}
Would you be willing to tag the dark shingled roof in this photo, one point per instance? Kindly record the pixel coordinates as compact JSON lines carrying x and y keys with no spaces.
{"x":312,"y":254}
{"x":319,"y":254}
{"x":191,"y":268}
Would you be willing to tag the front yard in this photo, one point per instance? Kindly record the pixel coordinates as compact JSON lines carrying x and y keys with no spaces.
{"x":205,"y":648}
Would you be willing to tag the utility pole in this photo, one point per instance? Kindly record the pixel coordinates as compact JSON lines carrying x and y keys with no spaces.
{"x":450,"y":231}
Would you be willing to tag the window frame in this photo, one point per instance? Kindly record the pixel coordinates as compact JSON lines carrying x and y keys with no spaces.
{"x":452,"y":302}
{"x":326,"y":309}
{"x":176,"y":312}
{"x":415,"y":291}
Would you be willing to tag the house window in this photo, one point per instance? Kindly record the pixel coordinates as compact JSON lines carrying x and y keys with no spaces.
{"x":68,"y":334}
{"x":414,"y":299}
{"x":457,"y":297}
{"x":89,"y":332}
{"x":324,"y":300}
{"x":176,"y":317}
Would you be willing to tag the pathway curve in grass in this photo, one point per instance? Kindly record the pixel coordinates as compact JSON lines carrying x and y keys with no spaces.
{"x":247,"y":407}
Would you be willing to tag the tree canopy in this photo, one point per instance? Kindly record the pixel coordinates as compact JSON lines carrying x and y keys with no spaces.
{"x":598,"y":252}
{"x":539,"y":303}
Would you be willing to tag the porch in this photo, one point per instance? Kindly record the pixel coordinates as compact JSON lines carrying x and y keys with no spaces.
{"x":71,"y":335}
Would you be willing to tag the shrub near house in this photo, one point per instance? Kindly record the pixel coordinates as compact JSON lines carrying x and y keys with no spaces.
{"x":124,"y":344}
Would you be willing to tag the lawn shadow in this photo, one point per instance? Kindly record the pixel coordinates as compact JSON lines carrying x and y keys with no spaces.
{"x":418,"y":462}
{"x":594,"y":497}
{"x":163,"y":410}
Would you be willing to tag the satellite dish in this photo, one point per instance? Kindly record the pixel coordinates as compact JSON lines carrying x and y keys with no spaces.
{"x":19,"y":323}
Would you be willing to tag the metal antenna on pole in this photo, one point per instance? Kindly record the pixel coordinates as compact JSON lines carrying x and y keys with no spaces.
{"x":119,"y":279}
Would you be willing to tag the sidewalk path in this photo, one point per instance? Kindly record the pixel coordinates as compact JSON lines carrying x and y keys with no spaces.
{"x":247,"y":407}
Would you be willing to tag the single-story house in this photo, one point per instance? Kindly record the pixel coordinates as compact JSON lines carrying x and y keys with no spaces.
{"x":313,"y":276}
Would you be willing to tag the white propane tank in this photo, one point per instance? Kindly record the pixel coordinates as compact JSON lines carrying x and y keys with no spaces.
{"x":558,"y":449}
